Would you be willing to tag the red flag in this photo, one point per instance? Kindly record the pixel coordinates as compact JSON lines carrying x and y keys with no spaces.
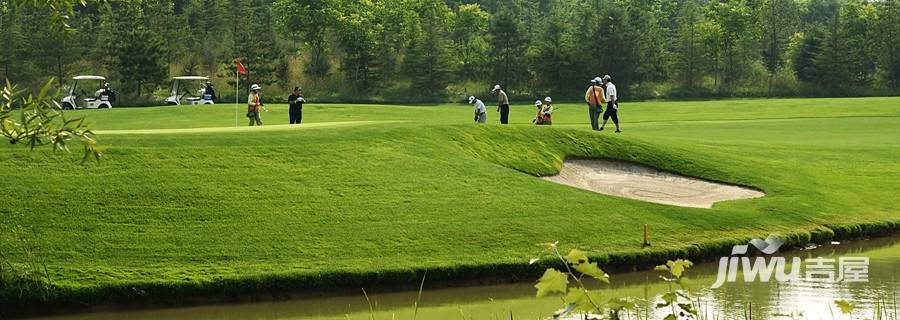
{"x":240,"y":67}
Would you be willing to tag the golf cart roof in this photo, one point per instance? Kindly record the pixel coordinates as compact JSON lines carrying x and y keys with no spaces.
{"x":88,"y":78}
{"x":190,"y":78}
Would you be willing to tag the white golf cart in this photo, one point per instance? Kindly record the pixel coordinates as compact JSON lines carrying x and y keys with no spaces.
{"x":193,"y":97}
{"x":99,"y":99}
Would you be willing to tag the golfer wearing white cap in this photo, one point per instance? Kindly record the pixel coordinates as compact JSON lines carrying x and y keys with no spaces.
{"x":503,"y":104}
{"x":595,"y":96}
{"x":480,"y":110}
{"x":253,"y":105}
{"x":612,"y":107}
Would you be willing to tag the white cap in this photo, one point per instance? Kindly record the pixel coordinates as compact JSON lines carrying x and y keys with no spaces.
{"x":255,"y":87}
{"x":538,"y":103}
{"x":597,"y":80}
{"x":496,"y":88}
{"x":471,"y":99}
{"x":548,"y":100}
{"x":607,"y":77}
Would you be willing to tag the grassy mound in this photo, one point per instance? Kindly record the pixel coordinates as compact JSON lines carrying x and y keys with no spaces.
{"x":220,"y":213}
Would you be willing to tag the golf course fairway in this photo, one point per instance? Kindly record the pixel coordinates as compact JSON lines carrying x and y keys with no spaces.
{"x":185,"y":206}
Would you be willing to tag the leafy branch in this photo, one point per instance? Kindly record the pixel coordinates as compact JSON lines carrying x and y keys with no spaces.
{"x":577,"y":267}
{"x":39,"y":120}
{"x":678,"y":299}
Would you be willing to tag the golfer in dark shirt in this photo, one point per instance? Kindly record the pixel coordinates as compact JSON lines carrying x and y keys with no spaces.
{"x":296,"y":111}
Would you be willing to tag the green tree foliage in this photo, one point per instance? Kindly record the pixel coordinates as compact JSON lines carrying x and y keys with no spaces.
{"x":136,"y":53}
{"x":508,"y":49}
{"x":688,"y":57}
{"x":398,"y":24}
{"x":425,"y":49}
{"x":15,"y":47}
{"x":197,"y":27}
{"x":306,"y":23}
{"x":256,"y":45}
{"x":778,"y":19}
{"x":428,"y":61}
{"x":645,"y":37}
{"x":735,"y":35}
{"x":857,"y":29}
{"x":809,"y":48}
{"x":887,"y":34}
{"x":358,"y":32}
{"x":470,"y":38}
{"x":846,"y":57}
{"x":556,"y":59}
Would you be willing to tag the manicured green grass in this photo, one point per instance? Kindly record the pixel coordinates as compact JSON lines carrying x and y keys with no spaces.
{"x":422,"y":188}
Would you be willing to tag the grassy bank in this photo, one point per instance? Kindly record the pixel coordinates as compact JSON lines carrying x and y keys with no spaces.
{"x":220,"y":213}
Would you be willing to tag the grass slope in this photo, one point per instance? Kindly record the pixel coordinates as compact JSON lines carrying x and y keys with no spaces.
{"x":376,"y":193}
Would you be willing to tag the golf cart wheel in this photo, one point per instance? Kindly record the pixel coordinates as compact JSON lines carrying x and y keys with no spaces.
{"x":67,"y":106}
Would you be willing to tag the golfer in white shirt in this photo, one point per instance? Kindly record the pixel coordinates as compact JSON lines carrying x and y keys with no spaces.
{"x":612,"y":100}
{"x":480,"y":110}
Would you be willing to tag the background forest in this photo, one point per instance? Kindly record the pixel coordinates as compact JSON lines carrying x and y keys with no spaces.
{"x":440,"y":50}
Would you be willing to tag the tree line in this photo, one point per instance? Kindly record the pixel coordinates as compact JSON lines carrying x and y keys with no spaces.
{"x":437,"y":50}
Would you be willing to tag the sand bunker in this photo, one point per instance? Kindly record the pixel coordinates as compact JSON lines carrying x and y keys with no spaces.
{"x":643,"y":183}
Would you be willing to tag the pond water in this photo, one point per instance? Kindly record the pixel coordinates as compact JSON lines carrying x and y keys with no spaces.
{"x":798,"y":299}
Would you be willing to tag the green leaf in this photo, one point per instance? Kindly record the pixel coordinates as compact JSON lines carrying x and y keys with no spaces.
{"x":621,"y":304}
{"x":552,"y":281}
{"x":579,"y":299}
{"x":577,"y":257}
{"x":591,"y":269}
{"x":677,"y":267}
{"x":669,"y":298}
{"x":845,"y":306}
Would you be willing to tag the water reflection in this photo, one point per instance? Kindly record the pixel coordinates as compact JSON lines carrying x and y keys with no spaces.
{"x":802,"y":299}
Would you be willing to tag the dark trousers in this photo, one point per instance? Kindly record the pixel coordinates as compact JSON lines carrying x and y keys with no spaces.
{"x":296,"y":113}
{"x":255,"y":119}
{"x":594,"y":112}
{"x":504,"y":114}
{"x":612,"y":112}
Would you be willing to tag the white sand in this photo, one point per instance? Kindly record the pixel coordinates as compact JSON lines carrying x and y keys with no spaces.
{"x":632,"y":181}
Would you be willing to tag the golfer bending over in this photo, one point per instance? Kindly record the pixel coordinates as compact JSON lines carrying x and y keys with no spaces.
{"x":253,"y":105}
{"x":612,"y":107}
{"x":480,"y":110}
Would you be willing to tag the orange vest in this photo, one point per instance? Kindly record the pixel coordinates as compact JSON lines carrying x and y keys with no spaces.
{"x":253,"y":106}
